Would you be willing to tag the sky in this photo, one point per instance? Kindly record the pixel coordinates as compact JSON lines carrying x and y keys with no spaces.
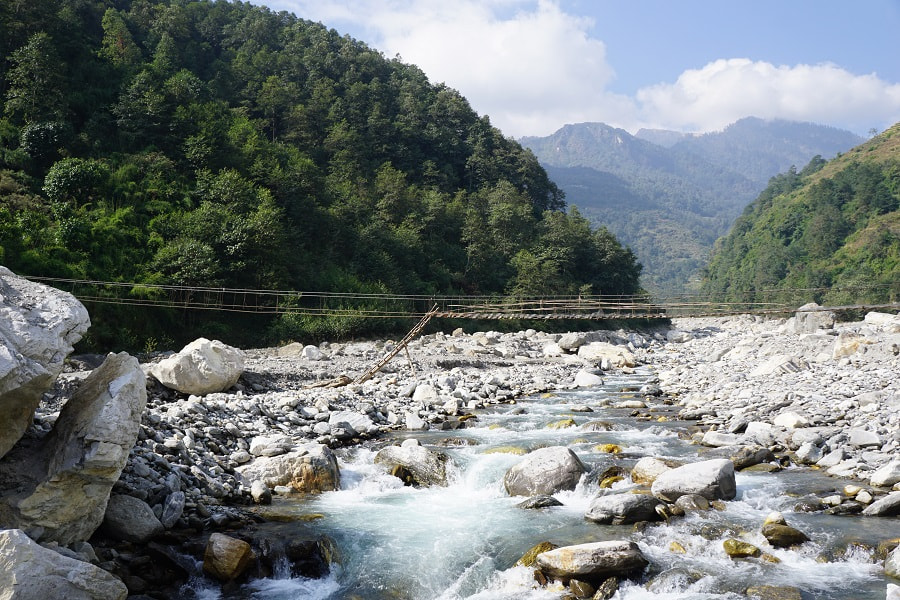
{"x":533,"y":66}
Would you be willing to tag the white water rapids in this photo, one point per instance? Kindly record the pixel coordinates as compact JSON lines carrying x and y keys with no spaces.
{"x":462,"y":541}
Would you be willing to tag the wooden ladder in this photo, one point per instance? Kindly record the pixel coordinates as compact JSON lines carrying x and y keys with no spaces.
{"x":415,"y":331}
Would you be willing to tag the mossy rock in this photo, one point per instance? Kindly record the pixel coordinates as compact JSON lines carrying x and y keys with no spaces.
{"x":740,"y":549}
{"x":608,"y":482}
{"x":562,"y":424}
{"x":528,"y":559}
{"x":517,"y":450}
{"x":608,"y":448}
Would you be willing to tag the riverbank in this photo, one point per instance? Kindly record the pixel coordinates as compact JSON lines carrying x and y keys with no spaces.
{"x":811,"y":391}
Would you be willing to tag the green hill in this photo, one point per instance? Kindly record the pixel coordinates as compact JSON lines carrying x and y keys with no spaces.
{"x":832,"y":229}
{"x":670,"y":195}
{"x":219,"y":144}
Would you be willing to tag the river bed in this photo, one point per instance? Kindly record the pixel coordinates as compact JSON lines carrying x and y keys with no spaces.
{"x":462,"y":541}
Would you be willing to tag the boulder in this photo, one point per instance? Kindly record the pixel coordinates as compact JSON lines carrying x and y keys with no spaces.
{"x":202,"y":367}
{"x":748,"y":456}
{"x":358,"y":422}
{"x":620,"y":509}
{"x":712,"y":479}
{"x":416,"y":464}
{"x":130,"y":519}
{"x":66,"y":481}
{"x":593,"y":561}
{"x":847,"y":343}
{"x":226,"y":558}
{"x":718,"y":439}
{"x":886,"y":475}
{"x":572,"y":341}
{"x":270,"y":445}
{"x":774,"y":592}
{"x":863,"y":438}
{"x":892,"y":563}
{"x":735,"y":548}
{"x":888,"y":506}
{"x":544,"y":471}
{"x":783,"y":536}
{"x":618,"y":356}
{"x":38,"y":327}
{"x":790,"y":420}
{"x":810,"y":318}
{"x":311,"y":468}
{"x":646,"y":470}
{"x":539,"y":502}
{"x":587,"y":378}
{"x":260,"y":492}
{"x":28,"y":571}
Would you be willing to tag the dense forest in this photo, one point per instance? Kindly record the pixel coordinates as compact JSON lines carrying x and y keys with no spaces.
{"x":670,"y":195}
{"x":218,"y":144}
{"x":831,"y":230}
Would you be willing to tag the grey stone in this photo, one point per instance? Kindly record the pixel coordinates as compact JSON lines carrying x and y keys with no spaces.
{"x":544,"y":471}
{"x":29,"y":571}
{"x":712,"y":479}
{"x":592,"y":561}
{"x":130,"y":519}
{"x":619,"y":509}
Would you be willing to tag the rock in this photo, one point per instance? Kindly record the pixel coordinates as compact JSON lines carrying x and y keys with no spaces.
{"x":783,"y":536}
{"x":226,"y":558}
{"x":426,"y":394}
{"x":358,"y":422}
{"x":790,"y":420}
{"x":892,"y":564}
{"x":531,"y":554}
{"x":130,"y":519}
{"x":618,"y":356}
{"x":28,"y":571}
{"x":423,"y":466}
{"x":847,"y":343}
{"x":173,"y":508}
{"x":270,"y":445}
{"x":718,"y":439}
{"x":863,"y":438}
{"x":712,"y":479}
{"x":415,"y":423}
{"x":202,"y":367}
{"x":581,"y":589}
{"x":595,"y":560}
{"x":572,"y":341}
{"x":886,"y":475}
{"x":65,"y":483}
{"x":311,"y":352}
{"x":38,"y":327}
{"x":748,"y":456}
{"x":809,"y":318}
{"x":539,"y":502}
{"x":587,"y":378}
{"x":773,"y":592}
{"x":887,"y":506}
{"x":607,"y":589}
{"x":893,"y":591}
{"x":692,"y":503}
{"x":809,"y":454}
{"x":679,"y":337}
{"x":647,"y":469}
{"x":544,"y":472}
{"x":620,"y":509}
{"x":880,"y":319}
{"x":312,"y":468}
{"x":740,"y":549}
{"x":260,"y":492}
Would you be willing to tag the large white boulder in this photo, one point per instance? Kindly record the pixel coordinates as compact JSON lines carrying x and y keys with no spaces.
{"x":618,"y":356}
{"x":712,"y":479}
{"x":886,"y":475}
{"x":202,"y":367}
{"x":544,"y":472}
{"x":810,"y":318}
{"x":65,"y":482}
{"x":28,"y":571}
{"x":38,"y":327}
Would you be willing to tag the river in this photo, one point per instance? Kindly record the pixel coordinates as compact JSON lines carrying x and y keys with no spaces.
{"x":462,"y":541}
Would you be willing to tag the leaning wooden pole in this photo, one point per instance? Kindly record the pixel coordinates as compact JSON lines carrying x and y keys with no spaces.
{"x":413,"y":333}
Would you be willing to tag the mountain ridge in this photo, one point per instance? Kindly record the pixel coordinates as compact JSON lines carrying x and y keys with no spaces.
{"x":693,"y":190}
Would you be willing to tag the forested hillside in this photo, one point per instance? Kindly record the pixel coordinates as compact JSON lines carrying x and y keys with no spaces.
{"x":212,"y":143}
{"x":669,"y":195}
{"x":833,"y":227}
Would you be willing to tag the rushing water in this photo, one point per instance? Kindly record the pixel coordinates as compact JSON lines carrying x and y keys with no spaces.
{"x":462,"y":541}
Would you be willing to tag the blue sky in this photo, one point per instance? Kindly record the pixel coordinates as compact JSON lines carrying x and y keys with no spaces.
{"x":687,"y":65}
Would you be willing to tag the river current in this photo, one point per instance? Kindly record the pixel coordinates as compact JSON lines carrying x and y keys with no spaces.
{"x":462,"y":541}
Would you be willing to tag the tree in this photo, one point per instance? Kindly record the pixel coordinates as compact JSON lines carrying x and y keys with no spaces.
{"x":118,"y":45}
{"x":35,"y":81}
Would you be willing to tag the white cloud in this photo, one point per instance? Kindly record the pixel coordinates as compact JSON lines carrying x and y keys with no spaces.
{"x":724,"y":91}
{"x":532,"y":67}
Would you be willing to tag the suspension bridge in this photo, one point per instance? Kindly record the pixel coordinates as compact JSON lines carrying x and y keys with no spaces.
{"x":398,"y":306}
